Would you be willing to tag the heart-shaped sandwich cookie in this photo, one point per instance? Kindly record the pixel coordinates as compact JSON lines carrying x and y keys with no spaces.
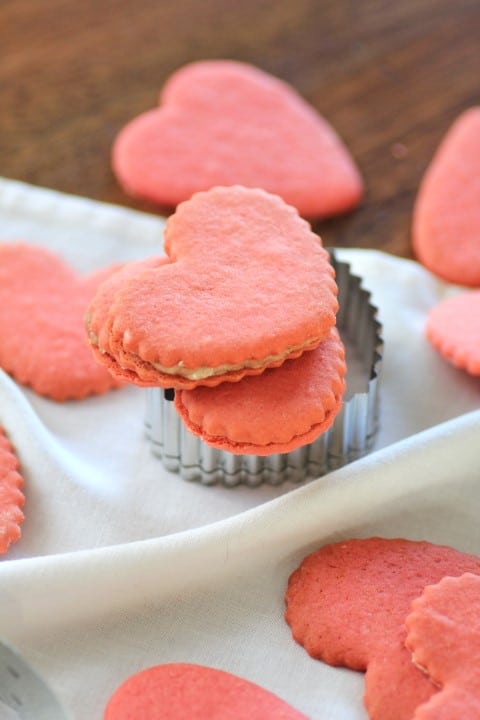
{"x":11,"y":495}
{"x":347,"y":604}
{"x":446,"y":219}
{"x":248,"y":286}
{"x":176,"y":691}
{"x":227,"y":123}
{"x":444,"y":638}
{"x":275,"y":412}
{"x":42,"y":338}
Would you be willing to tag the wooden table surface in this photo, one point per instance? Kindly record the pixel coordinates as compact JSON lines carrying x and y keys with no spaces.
{"x":390,"y":75}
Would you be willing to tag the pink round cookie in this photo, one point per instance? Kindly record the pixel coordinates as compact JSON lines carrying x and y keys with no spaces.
{"x":444,"y":639}
{"x":453,"y":328}
{"x":248,"y":286}
{"x":227,"y":123}
{"x":11,"y":495}
{"x":181,"y":690}
{"x":446,"y":218}
{"x":42,"y":338}
{"x":347,"y":604}
{"x":275,"y":412}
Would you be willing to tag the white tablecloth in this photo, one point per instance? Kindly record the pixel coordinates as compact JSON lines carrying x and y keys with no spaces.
{"x":122,"y":565}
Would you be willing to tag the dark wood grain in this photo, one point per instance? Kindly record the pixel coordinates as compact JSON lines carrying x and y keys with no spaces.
{"x":390,"y":76}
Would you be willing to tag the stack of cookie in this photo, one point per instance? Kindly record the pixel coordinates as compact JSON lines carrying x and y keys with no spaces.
{"x":238,"y":320}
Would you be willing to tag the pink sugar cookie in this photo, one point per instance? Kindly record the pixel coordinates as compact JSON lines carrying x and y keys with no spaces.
{"x":42,"y":339}
{"x":180,"y":690}
{"x":446,"y":218}
{"x":347,"y":604}
{"x":453,"y":328}
{"x":248,"y":286}
{"x":227,"y":123}
{"x":444,"y":639}
{"x":11,"y":495}
{"x":275,"y":412}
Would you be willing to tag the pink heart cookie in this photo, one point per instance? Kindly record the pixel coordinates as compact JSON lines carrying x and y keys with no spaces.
{"x":227,"y":123}
{"x":42,"y":339}
{"x":347,"y":604}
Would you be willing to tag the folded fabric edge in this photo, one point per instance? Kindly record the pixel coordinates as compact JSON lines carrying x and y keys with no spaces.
{"x":68,"y":588}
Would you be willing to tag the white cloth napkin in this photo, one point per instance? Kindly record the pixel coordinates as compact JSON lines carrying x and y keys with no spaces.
{"x":123,"y":565}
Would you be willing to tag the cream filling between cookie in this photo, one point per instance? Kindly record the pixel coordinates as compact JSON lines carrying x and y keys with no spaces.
{"x":203,"y":372}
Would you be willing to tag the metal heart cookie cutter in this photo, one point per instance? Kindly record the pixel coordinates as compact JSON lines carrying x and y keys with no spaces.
{"x":350,"y":437}
{"x":22,"y":690}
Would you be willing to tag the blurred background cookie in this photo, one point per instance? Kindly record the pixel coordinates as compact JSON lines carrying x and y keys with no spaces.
{"x":228,"y":123}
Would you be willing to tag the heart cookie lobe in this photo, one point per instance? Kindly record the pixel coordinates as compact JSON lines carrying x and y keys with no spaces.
{"x":444,"y":639}
{"x":11,"y":495}
{"x":225,"y":123}
{"x":98,"y":320}
{"x":347,"y":604}
{"x":42,"y":338}
{"x":446,"y":218}
{"x":275,"y":412}
{"x":179,"y":690}
{"x":248,"y":286}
